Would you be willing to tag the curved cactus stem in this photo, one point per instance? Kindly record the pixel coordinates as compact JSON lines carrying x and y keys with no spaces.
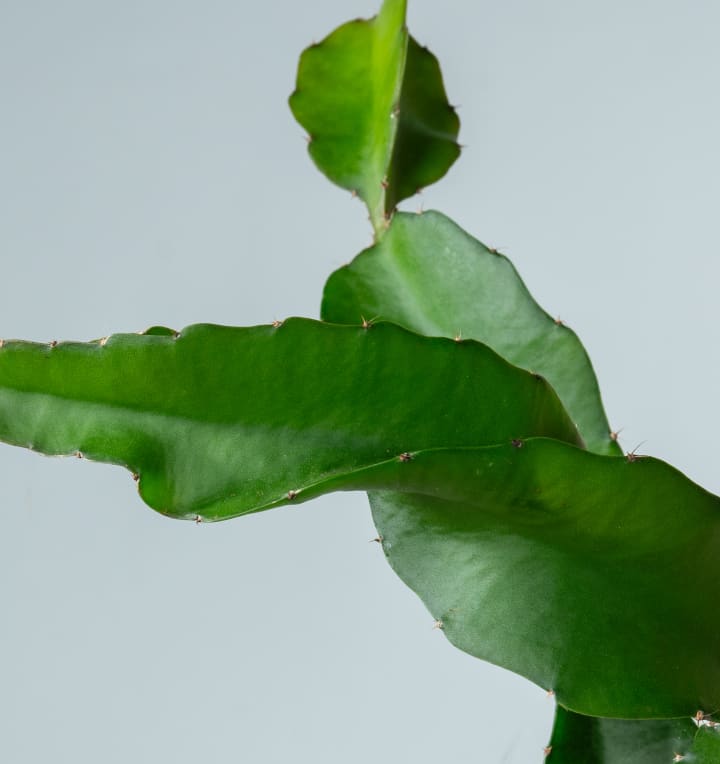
{"x":219,"y":421}
{"x":373,"y":103}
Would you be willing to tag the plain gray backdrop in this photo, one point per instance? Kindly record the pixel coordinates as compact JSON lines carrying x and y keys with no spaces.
{"x":151,"y":172}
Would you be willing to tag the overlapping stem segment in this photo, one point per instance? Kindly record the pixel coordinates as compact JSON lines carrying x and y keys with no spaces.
{"x":534,"y":553}
{"x":500,"y":495}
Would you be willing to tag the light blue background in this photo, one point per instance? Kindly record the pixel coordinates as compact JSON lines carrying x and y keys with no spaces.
{"x":150,"y":172}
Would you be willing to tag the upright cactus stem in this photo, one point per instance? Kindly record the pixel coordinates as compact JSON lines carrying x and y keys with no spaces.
{"x":375,"y":104}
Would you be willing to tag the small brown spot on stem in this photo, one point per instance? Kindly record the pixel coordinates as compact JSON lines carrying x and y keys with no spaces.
{"x":292,"y":494}
{"x":406,"y":456}
{"x":547,"y":750}
{"x":366,"y":324}
{"x":277,"y":324}
{"x":377,"y":540}
{"x":384,"y":183}
{"x":559,"y":321}
{"x":53,"y":344}
{"x":633,"y":456}
{"x":135,"y":476}
{"x":517,"y":443}
{"x":78,"y":455}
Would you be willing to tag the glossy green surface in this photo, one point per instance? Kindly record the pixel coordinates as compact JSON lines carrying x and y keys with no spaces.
{"x":577,"y":571}
{"x":581,"y":572}
{"x":374,"y":106}
{"x":219,"y":421}
{"x":430,"y":276}
{"x":587,"y":740}
{"x":535,"y":555}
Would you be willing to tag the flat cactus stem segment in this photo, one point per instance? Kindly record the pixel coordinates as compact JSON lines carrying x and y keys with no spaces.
{"x":430,"y":276}
{"x":219,"y":421}
{"x":374,"y":106}
{"x":577,"y":571}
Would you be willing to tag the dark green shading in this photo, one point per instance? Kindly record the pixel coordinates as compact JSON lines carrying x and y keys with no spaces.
{"x":425,"y":144}
{"x":160,"y":331}
{"x":588,"y":740}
